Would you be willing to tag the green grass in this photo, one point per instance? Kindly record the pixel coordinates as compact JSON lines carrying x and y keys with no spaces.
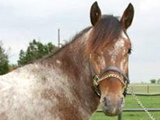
{"x":127,"y":116}
{"x":148,"y":102}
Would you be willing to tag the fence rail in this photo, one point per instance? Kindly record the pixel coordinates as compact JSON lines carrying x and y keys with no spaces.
{"x":140,"y":109}
{"x":145,"y":88}
{"x":145,"y":94}
{"x":137,"y":110}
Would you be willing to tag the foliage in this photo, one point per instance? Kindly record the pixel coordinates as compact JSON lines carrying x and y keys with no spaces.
{"x":35,"y":50}
{"x":4,"y":63}
{"x":158,"y":81}
{"x":12,"y":67}
{"x":153,"y":80}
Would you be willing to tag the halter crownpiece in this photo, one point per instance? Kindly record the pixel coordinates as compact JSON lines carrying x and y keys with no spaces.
{"x":97,"y":78}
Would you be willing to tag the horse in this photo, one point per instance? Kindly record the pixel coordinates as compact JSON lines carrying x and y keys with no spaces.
{"x":70,"y":84}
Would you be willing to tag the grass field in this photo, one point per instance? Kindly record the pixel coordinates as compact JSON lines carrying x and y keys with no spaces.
{"x":126,"y":116}
{"x":148,"y":102}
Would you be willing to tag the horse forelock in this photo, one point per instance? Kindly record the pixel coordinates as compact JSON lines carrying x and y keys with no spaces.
{"x":107,"y":30}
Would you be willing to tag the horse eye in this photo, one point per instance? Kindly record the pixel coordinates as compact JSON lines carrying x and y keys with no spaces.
{"x":129,"y":50}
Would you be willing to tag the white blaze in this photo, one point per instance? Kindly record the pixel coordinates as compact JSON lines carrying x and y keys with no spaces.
{"x":119,"y":49}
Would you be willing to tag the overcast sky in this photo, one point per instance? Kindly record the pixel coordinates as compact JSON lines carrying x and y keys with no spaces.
{"x":21,"y":21}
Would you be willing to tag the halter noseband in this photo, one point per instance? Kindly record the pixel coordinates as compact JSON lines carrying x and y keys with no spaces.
{"x":97,"y":78}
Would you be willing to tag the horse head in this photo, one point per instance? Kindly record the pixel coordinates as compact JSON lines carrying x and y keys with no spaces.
{"x":110,"y":47}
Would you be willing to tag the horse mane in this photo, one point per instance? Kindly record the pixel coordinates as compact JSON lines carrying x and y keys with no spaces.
{"x":74,"y":38}
{"x":106,"y":30}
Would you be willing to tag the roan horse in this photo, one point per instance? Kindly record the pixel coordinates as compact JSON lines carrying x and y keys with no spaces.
{"x":62,"y":86}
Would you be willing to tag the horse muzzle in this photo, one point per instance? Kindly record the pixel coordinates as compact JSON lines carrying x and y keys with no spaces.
{"x":112,"y":107}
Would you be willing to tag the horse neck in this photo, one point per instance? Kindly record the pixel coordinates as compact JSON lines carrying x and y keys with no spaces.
{"x":74,"y":56}
{"x":73,"y":60}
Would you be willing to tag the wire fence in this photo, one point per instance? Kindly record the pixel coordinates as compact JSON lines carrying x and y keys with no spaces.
{"x":145,"y":88}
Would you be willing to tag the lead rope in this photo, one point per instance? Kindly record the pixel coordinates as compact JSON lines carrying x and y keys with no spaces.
{"x":140,"y":103}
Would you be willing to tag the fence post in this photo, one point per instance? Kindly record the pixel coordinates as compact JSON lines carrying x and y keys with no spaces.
{"x":120,"y":116}
{"x":147,"y":88}
{"x":132,"y":88}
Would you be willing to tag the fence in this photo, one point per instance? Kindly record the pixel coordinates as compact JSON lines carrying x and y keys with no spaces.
{"x":140,"y":109}
{"x":145,"y":88}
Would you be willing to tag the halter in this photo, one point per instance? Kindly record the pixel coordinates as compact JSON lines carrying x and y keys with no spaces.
{"x":97,"y":78}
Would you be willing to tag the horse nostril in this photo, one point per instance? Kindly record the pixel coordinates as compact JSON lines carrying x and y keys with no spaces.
{"x":121,"y":102}
{"x":105,"y":101}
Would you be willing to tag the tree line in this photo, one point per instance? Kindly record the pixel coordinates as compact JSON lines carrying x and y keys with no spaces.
{"x":155,"y":81}
{"x":34,"y":51}
{"x":4,"y":63}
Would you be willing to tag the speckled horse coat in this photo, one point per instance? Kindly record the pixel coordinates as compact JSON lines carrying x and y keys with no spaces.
{"x":56,"y":88}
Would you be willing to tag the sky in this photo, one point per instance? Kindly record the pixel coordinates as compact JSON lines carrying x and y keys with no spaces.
{"x":21,"y":21}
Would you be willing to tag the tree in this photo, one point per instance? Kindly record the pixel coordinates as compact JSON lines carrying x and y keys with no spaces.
{"x":153,"y":80}
{"x":158,"y":81}
{"x":35,"y":50}
{"x":4,"y":63}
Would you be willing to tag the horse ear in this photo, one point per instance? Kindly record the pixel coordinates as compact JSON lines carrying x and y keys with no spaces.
{"x":95,"y":13}
{"x":127,"y":16}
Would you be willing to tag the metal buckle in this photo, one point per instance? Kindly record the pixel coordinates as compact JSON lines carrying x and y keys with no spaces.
{"x":95,"y":83}
{"x":95,"y":79}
